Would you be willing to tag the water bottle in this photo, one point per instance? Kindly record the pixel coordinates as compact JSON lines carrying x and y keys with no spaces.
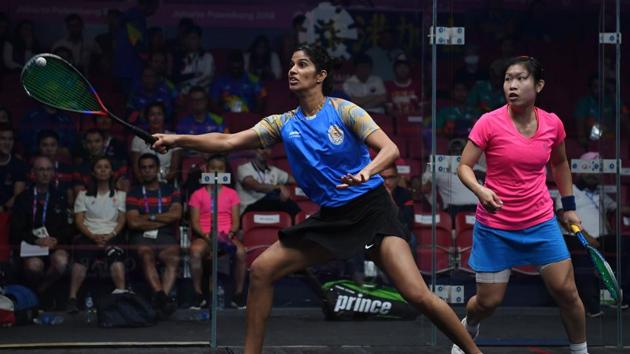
{"x":48,"y":319}
{"x":220,"y":297}
{"x":90,"y":310}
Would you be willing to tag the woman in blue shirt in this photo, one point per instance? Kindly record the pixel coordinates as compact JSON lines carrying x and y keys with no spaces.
{"x":326,"y":140}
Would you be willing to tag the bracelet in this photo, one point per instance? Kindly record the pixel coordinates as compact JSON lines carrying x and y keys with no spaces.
{"x":568,"y":202}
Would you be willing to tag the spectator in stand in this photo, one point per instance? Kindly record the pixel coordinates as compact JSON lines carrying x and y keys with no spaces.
{"x":176,"y":44}
{"x":153,"y":212}
{"x":131,"y":43}
{"x":169,"y":161}
{"x":150,"y":89}
{"x":200,"y":120}
{"x":113,"y":146}
{"x":228,"y":225}
{"x":48,"y":146}
{"x":456,"y":119}
{"x":588,"y":111}
{"x":83,"y":50}
{"x":39,"y":217}
{"x":106,"y":41}
{"x":455,"y":196}
{"x":593,"y":209}
{"x":157,"y":43}
{"x":366,"y":90}
{"x":44,"y":117}
{"x":24,"y":45}
{"x":158,"y":61}
{"x":487,"y":95}
{"x":401,"y":196}
{"x":403,"y":92}
{"x":262,"y":187}
{"x":194,"y":66}
{"x":262,"y":61}
{"x":385,"y":54}
{"x":94,"y":145}
{"x":12,"y":170}
{"x":99,"y":214}
{"x":238,"y":90}
{"x":5,"y":116}
{"x":471,"y":71}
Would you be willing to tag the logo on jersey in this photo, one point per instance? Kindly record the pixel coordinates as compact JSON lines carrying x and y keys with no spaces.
{"x":295,"y":134}
{"x":335,"y":134}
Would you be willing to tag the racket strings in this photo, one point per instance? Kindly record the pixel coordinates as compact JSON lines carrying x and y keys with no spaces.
{"x":61,"y":86}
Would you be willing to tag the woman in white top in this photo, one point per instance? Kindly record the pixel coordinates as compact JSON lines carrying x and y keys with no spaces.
{"x":99,"y":214}
{"x":169,"y":162}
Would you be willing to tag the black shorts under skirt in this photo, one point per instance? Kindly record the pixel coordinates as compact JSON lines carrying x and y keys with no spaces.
{"x":347,"y":230}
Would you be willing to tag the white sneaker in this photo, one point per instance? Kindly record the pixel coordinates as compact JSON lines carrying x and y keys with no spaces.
{"x":457,"y":350}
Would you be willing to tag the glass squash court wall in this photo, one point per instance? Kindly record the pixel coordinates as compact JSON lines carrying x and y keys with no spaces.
{"x":582,"y":85}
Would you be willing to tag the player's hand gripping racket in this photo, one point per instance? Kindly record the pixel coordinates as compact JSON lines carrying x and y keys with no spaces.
{"x":606,"y":273}
{"x":53,"y":81}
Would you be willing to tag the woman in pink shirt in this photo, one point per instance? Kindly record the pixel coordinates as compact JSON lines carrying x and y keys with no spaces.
{"x":228,"y":224}
{"x":515,"y":223}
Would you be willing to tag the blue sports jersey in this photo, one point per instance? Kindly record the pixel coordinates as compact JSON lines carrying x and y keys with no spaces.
{"x":324,"y":147}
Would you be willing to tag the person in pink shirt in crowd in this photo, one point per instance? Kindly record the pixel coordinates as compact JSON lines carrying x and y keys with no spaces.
{"x":515,"y":222}
{"x":228,"y":224}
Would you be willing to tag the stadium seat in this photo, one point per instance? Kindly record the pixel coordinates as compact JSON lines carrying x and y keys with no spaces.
{"x":260,"y":230}
{"x":464,"y":223}
{"x":422,"y":228}
{"x":385,"y":122}
{"x":404,"y":127}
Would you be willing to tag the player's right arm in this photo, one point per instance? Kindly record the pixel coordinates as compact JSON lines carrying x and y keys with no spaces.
{"x":210,"y":142}
{"x":487,"y":197}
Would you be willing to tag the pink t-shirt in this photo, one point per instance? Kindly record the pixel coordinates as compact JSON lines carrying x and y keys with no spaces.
{"x":228,"y":198}
{"x":516,"y":168}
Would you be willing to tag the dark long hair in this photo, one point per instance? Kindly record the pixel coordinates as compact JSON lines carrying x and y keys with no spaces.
{"x":92,"y":189}
{"x":322,"y":61}
{"x":533,"y":66}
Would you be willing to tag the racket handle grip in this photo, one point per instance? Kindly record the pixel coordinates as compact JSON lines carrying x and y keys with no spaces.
{"x":144,"y":135}
{"x":575,"y":229}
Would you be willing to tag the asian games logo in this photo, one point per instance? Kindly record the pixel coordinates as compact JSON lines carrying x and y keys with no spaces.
{"x":335,"y":134}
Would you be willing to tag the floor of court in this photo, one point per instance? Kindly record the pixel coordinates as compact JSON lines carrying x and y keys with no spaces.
{"x":304,"y":330}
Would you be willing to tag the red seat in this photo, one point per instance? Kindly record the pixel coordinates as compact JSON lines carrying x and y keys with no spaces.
{"x":415,"y":149}
{"x":408,"y":168}
{"x":301,"y":216}
{"x":464,"y":223}
{"x":260,"y":230}
{"x":308,"y":206}
{"x":283,"y":164}
{"x":408,"y":129}
{"x":424,"y":261}
{"x":277,"y":151}
{"x":385,"y":122}
{"x":401,"y":143}
{"x":422,"y":226}
{"x":237,"y":122}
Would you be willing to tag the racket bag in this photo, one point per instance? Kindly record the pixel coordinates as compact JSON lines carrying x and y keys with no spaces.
{"x":125,"y":310}
{"x":347,"y":300}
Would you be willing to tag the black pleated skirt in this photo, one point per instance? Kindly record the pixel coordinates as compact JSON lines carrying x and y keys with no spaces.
{"x":355,"y":227}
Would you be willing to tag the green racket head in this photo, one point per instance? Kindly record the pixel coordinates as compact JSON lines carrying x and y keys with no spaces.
{"x":608,"y":277}
{"x":55,"y":82}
